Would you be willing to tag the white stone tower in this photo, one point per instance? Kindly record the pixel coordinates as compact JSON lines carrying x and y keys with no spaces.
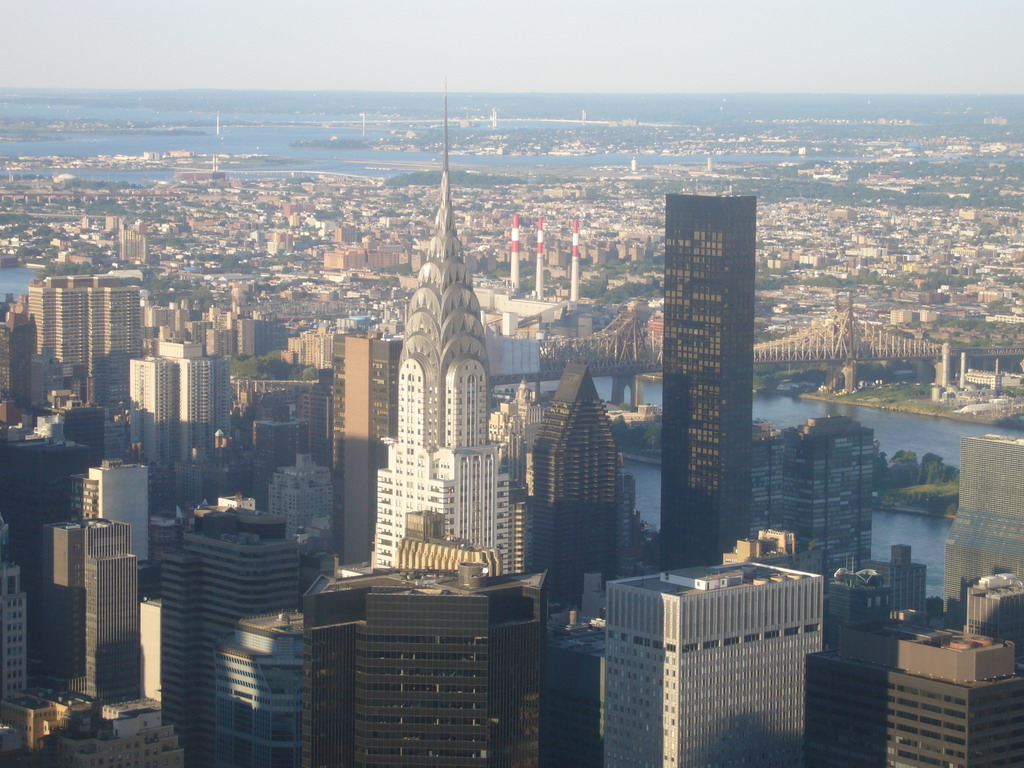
{"x":441,"y":460}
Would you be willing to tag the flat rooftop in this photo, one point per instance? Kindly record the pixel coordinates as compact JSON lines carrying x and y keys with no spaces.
{"x":586,"y":639}
{"x":404,"y":583}
{"x":712,"y":578}
{"x":287,"y":621}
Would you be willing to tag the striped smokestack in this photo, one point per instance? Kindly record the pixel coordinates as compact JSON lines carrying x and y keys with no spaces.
{"x":515,"y":252}
{"x":540,"y":257}
{"x":574,"y":285}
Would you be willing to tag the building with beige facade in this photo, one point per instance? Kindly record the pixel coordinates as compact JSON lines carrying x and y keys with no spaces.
{"x":705,"y":666}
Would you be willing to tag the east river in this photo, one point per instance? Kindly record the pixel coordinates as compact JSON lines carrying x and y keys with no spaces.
{"x":894,"y":431}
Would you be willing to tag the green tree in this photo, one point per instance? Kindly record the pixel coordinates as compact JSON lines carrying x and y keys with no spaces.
{"x":652,"y":436}
{"x":620,"y":431}
{"x":881,"y":470}
{"x":931,"y":470}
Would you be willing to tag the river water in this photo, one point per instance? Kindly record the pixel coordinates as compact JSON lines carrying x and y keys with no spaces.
{"x":15,"y":281}
{"x":894,"y":431}
{"x":271,"y":134}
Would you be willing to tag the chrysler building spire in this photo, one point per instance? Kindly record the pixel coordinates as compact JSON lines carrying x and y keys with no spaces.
{"x":444,"y":349}
{"x":441,"y":460}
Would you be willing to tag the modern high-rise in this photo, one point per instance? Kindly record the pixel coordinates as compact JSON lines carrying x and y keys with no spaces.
{"x":572,"y":725}
{"x":17,"y":345}
{"x":408,"y":672}
{"x":705,"y":666}
{"x":898,"y":696}
{"x":149,"y":634}
{"x":853,"y":598}
{"x":90,"y":609}
{"x":13,"y":610}
{"x":117,"y":491}
{"x":302,"y":495}
{"x":987,"y":535}
{"x":35,"y":490}
{"x":907,"y":579}
{"x":708,"y":363}
{"x":365,"y":416}
{"x":275,"y":444}
{"x":179,"y":399}
{"x":441,"y":460}
{"x":237,"y":563}
{"x":315,"y":406}
{"x":766,"y":489}
{"x":133,"y":246}
{"x":828,"y":481}
{"x":629,"y":537}
{"x":82,"y":424}
{"x":92,"y":321}
{"x":995,"y":608}
{"x":259,"y":693}
{"x":574,"y":511}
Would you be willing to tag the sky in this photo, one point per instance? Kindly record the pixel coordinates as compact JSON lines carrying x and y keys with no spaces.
{"x":561,"y":46}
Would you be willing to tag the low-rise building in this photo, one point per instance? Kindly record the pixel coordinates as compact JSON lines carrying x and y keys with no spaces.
{"x":995,"y":608}
{"x":895,"y":694}
{"x":130,"y":734}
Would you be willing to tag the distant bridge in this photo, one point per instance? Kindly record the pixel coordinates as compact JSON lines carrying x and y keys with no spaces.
{"x":840,"y":336}
{"x":622,"y":350}
{"x":840,"y":340}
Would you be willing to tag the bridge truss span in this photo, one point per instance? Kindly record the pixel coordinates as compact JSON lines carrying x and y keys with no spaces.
{"x":623,"y":348}
{"x":840,"y":337}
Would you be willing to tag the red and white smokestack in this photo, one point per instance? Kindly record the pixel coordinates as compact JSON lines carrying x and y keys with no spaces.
{"x":540,"y":258}
{"x":574,"y":284}
{"x":515,"y":252}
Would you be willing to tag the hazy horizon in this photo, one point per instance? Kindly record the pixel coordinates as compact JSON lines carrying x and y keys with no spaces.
{"x":572,"y":46}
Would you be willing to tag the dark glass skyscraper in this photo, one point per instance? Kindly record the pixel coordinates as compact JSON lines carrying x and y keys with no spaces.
{"x":828,"y":475}
{"x":90,"y":609}
{"x":237,"y":563}
{"x":708,"y":369}
{"x":987,"y":535}
{"x":35,"y":490}
{"x":574,"y":505}
{"x":416,"y":672}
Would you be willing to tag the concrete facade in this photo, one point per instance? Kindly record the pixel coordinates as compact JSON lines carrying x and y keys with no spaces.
{"x":698,"y":656}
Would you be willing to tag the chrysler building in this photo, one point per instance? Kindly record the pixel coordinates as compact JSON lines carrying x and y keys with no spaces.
{"x":441,"y":460}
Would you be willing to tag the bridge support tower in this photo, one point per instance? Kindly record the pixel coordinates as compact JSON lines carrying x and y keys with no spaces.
{"x":635,"y":386}
{"x":841,"y":377}
{"x":850,"y":376}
